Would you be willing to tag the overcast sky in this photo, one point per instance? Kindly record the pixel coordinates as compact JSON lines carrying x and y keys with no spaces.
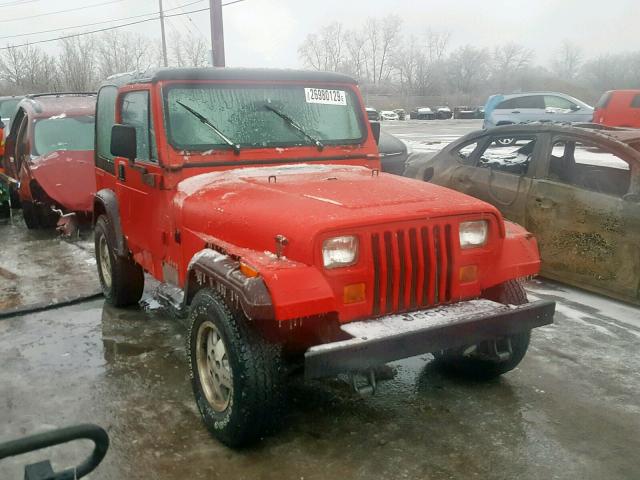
{"x":268,"y":32}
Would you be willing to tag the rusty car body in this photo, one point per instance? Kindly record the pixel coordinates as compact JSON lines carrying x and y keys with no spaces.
{"x":577,"y":189}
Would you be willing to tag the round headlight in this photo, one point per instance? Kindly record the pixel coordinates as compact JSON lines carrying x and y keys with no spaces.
{"x":340,"y":251}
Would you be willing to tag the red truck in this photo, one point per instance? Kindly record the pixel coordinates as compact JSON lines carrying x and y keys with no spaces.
{"x":618,"y":108}
{"x":256,"y":198}
{"x":49,"y":158}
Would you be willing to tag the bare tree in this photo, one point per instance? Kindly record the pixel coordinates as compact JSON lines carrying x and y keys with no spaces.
{"x":77,"y":64}
{"x":123,"y":52}
{"x":382,"y":37}
{"x":355,"y":54}
{"x":509,"y":61}
{"x":28,"y":69}
{"x":323,"y":51}
{"x":189,"y":51}
{"x":468,"y":69}
{"x":568,"y":60}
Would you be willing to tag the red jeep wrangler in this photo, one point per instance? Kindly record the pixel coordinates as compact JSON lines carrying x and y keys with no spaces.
{"x":255,"y":196}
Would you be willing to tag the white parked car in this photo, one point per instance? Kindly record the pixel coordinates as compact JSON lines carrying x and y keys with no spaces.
{"x":388,"y":115}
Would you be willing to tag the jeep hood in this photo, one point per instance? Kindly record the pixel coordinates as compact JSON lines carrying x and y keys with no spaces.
{"x":249,"y":207}
{"x":67,"y":177}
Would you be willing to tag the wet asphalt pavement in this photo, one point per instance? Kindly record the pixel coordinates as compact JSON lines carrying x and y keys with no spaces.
{"x":570,"y":411}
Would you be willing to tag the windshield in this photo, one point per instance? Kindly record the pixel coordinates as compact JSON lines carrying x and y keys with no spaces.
{"x":243,"y":115}
{"x":63,"y":133}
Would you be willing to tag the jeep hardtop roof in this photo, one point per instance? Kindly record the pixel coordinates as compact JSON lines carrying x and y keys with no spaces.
{"x":218,"y":73}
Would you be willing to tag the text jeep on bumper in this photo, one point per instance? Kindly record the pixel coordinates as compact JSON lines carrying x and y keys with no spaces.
{"x":394,"y":337}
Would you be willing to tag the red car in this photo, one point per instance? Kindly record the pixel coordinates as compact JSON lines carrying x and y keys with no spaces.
{"x":256,"y":197}
{"x":619,"y":108}
{"x":50,"y":153}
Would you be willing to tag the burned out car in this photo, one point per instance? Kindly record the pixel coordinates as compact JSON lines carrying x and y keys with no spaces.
{"x":256,"y":198}
{"x":576,"y":189}
{"x":49,"y":156}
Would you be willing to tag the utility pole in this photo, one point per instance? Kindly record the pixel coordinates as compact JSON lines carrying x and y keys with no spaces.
{"x":164,"y":40}
{"x":217,"y":32}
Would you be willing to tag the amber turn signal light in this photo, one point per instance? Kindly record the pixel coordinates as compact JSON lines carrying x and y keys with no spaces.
{"x":354,"y":293}
{"x":248,"y":270}
{"x":468,"y":273}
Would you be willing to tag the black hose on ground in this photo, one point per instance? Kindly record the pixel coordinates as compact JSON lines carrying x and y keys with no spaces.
{"x":41,"y":307}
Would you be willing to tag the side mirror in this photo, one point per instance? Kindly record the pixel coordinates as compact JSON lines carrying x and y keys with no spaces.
{"x":375,"y":128}
{"x":123,"y":142}
{"x":575,"y":108}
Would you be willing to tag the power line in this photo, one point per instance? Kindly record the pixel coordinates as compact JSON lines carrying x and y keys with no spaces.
{"x":17,"y":3}
{"x":29,"y":17}
{"x":97,"y":23}
{"x":115,"y":26}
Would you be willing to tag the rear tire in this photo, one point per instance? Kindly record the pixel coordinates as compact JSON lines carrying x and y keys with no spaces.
{"x":237,"y":378}
{"x":121,"y":279}
{"x":475,"y":364}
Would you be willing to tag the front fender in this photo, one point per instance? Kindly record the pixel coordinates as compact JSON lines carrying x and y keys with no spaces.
{"x":105,"y":202}
{"x":519,"y":256}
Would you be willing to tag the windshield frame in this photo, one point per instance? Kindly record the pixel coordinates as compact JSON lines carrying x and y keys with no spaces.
{"x":221,"y":147}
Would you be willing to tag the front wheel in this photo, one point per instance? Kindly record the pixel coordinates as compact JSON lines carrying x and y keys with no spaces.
{"x":490,"y":358}
{"x":121,"y":279}
{"x":235,"y":373}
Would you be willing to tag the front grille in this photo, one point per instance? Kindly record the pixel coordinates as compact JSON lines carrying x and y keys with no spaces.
{"x":412,"y":268}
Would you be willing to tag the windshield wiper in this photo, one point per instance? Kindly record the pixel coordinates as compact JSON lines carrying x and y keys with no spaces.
{"x":293,"y":124}
{"x":207,"y":122}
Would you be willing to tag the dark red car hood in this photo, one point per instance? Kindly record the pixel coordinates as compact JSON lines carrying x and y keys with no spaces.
{"x":67,"y":177}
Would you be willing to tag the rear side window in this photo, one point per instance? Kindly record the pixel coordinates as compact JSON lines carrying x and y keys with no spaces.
{"x":529,"y":101}
{"x":635,"y":103}
{"x":604,"y":100}
{"x":552,"y":101}
{"x":105,"y":118}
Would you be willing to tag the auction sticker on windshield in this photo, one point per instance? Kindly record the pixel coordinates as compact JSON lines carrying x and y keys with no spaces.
{"x":323,"y":95}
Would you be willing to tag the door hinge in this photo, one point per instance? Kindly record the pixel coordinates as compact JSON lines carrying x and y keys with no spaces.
{"x":177,"y":236}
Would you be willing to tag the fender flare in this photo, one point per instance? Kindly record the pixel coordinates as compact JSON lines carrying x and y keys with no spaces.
{"x":105,"y":202}
{"x":222,"y":272}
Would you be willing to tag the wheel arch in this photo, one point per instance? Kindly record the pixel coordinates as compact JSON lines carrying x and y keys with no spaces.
{"x":105,"y":202}
{"x":221,"y":272}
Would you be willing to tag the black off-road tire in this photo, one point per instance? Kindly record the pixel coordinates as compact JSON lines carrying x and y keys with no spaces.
{"x":452,"y":361}
{"x":256,"y":401}
{"x":30,"y":215}
{"x":126,"y":282}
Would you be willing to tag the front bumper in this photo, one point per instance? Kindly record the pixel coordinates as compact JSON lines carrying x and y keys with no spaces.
{"x":378,"y":341}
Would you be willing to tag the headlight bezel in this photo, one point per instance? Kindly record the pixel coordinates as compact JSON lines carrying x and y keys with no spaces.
{"x":350,"y":244}
{"x":466,"y":234}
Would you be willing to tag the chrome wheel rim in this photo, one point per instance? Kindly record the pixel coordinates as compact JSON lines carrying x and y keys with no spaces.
{"x":105,"y":261}
{"x":213,"y":366}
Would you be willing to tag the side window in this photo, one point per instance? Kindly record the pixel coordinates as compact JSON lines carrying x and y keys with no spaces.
{"x":530,"y":101}
{"x":559,"y":103}
{"x":135,"y":112}
{"x":589,"y":167}
{"x":508,"y":154}
{"x":464,"y":153}
{"x":507,"y":104}
{"x":635,"y":103}
{"x":105,"y":118}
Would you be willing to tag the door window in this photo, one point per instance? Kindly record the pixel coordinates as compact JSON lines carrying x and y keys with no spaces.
{"x":589,"y":167}
{"x":105,"y":118}
{"x":464,"y":153}
{"x":135,"y":112}
{"x":558,"y":103}
{"x":508,"y":154}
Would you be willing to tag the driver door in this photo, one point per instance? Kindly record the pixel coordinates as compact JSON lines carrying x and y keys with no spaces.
{"x":500,"y":175}
{"x":138,"y":185}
